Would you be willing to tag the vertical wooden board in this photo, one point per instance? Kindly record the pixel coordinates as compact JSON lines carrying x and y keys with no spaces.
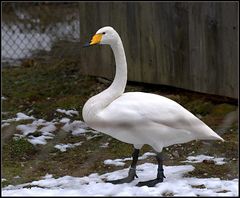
{"x":146,"y":43}
{"x":162,"y":43}
{"x":195,"y":43}
{"x":117,"y":18}
{"x":180,"y":44}
{"x":211,"y":31}
{"x":132,"y":42}
{"x":107,"y":66}
{"x":158,"y":45}
{"x":201,"y":46}
{"x":229,"y":57}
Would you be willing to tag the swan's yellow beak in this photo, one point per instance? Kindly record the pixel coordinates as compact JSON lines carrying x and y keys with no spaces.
{"x":95,"y":40}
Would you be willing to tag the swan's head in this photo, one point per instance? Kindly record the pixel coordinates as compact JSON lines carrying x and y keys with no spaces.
{"x":106,"y":35}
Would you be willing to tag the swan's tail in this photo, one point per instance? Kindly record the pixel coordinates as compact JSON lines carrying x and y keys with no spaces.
{"x":215,"y":136}
{"x":209,"y":134}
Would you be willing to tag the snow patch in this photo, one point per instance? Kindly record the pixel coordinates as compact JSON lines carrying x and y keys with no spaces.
{"x":39,"y":140}
{"x":77,"y":127}
{"x":5,"y":124}
{"x":201,"y":158}
{"x":21,"y":43}
{"x":45,"y":131}
{"x":20,"y":116}
{"x":48,"y":129}
{"x":45,"y":128}
{"x":64,"y":147}
{"x":68,"y":112}
{"x":104,"y":145}
{"x":27,"y":128}
{"x":120,"y":162}
{"x":64,"y":120}
{"x":116,"y":162}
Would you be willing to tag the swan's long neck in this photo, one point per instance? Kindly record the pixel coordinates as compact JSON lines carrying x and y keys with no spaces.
{"x":119,"y":83}
{"x":97,"y":103}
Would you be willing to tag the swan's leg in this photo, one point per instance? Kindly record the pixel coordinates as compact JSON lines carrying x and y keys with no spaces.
{"x":132,"y":171}
{"x":160,"y":174}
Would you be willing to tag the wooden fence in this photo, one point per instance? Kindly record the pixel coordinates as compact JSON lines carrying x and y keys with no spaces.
{"x":190,"y":45}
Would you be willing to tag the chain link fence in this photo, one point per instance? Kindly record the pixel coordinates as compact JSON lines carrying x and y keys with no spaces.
{"x":31,"y":29}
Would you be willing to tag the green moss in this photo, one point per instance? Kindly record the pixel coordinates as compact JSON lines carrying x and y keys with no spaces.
{"x":199,"y":186}
{"x":10,"y":170}
{"x":225,"y":171}
{"x":199,"y":107}
{"x":18,"y":149}
{"x":36,"y":134}
{"x":120,"y":149}
{"x":223,"y":109}
{"x":24,"y":171}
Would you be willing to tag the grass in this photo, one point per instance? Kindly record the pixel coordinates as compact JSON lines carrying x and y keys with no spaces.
{"x":40,"y":89}
{"x":18,"y":149}
{"x":44,"y":88}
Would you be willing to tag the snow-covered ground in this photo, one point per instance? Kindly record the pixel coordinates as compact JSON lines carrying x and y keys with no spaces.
{"x":175,"y":184}
{"x":47,"y":128}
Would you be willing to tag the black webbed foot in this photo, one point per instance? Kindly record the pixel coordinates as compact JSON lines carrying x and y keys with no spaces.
{"x":121,"y":181}
{"x":150,"y":183}
{"x":131,"y":175}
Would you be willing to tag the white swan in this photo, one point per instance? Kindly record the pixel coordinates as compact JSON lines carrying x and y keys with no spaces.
{"x":139,"y":118}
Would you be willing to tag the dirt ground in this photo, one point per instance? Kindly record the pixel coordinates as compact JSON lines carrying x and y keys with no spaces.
{"x":41,"y":88}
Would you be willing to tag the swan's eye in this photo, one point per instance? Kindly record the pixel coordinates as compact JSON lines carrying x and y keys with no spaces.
{"x":104,"y":33}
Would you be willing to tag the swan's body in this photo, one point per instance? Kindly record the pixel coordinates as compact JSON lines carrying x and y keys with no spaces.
{"x":142,"y":118}
{"x":139,"y":118}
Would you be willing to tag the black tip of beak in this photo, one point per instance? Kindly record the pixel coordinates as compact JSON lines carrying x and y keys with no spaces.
{"x":86,"y":45}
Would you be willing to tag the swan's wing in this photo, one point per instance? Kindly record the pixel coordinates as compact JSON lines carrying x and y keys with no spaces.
{"x":141,"y":108}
